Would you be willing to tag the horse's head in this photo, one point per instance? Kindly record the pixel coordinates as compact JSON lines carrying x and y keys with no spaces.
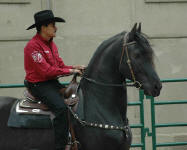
{"x":137,"y":62}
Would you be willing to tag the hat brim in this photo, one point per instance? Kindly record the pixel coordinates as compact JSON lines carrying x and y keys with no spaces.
{"x":55,"y":19}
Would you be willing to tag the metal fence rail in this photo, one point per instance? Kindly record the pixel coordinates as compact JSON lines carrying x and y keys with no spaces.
{"x":141,"y":125}
{"x":161,"y":125}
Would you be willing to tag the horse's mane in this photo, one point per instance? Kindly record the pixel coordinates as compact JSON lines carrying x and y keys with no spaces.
{"x":140,"y":38}
{"x":105,"y":44}
{"x":109,"y":41}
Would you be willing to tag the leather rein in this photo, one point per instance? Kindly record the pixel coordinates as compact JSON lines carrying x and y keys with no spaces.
{"x":124,"y":50}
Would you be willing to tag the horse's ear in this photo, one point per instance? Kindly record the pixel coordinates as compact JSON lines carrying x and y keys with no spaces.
{"x":132,"y":33}
{"x":139,"y":28}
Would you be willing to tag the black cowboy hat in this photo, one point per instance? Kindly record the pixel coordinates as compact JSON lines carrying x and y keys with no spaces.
{"x":45,"y":16}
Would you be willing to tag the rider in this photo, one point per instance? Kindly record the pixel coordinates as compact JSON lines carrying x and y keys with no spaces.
{"x":42,"y":66}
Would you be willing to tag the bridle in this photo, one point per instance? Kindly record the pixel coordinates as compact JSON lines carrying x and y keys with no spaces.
{"x":124,"y":50}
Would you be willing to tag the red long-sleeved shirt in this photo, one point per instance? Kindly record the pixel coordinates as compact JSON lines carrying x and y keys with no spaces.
{"x":42,"y":61}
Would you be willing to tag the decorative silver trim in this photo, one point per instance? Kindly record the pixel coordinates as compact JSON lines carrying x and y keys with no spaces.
{"x":73,"y":96}
{"x":36,"y":110}
{"x":18,"y":110}
{"x":91,"y":124}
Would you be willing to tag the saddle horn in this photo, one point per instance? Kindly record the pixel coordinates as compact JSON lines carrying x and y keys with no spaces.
{"x":72,"y":87}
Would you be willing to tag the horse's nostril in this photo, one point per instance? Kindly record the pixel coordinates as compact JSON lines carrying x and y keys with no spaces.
{"x":158,"y":86}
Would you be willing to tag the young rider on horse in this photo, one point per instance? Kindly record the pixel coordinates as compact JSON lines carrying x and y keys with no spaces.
{"x":42,"y":66}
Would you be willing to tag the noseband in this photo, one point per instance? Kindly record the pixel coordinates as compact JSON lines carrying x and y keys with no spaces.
{"x":124,"y":50}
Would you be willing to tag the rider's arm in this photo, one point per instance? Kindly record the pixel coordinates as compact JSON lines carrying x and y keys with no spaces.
{"x":40,"y":65}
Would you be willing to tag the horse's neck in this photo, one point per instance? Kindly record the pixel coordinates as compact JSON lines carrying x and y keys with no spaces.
{"x":104,"y":67}
{"x":104,"y":103}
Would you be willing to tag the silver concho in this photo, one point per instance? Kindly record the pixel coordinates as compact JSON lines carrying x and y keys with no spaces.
{"x":106,"y":126}
{"x":100,"y":125}
{"x":73,"y":96}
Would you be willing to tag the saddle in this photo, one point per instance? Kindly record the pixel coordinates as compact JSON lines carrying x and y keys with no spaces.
{"x":32,"y":105}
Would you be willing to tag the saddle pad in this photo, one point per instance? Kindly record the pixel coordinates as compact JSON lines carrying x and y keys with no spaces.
{"x":33,"y":120}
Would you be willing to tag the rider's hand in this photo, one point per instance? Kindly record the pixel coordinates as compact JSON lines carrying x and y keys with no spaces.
{"x":74,"y":71}
{"x":79,"y":67}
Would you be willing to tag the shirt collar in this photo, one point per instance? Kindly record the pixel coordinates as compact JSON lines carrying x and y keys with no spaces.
{"x":38,"y":36}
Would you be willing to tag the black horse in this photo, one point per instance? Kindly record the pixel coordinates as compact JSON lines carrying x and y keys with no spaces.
{"x":100,"y":121}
